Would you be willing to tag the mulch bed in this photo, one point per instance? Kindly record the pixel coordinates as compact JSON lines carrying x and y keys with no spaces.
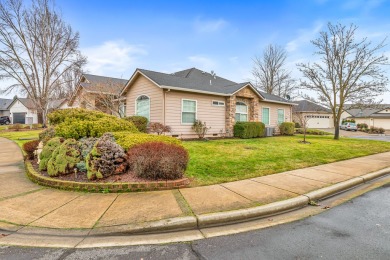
{"x":82,"y":176}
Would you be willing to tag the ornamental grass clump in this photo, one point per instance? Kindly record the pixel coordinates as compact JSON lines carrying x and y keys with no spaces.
{"x":64,"y":158}
{"x":30,"y":147}
{"x":106,"y":158}
{"x":158,"y":160}
{"x":47,"y":151}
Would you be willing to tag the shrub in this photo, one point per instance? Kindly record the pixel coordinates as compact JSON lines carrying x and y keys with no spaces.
{"x":286,"y":128}
{"x":30,"y":147}
{"x":85,"y":146}
{"x":47,"y":151}
{"x":362,"y":126}
{"x":249,"y":129}
{"x":36,"y":126}
{"x":80,"y":125}
{"x":140,"y":122}
{"x":376,"y":130}
{"x":106,"y":158}
{"x":297,"y":125}
{"x":158,"y":128}
{"x":200,"y":128}
{"x":348,"y":121}
{"x":311,"y":131}
{"x":158,"y":160}
{"x":128,"y":139}
{"x":47,"y":134}
{"x":16,"y":127}
{"x":60,"y":116}
{"x":64,"y":158}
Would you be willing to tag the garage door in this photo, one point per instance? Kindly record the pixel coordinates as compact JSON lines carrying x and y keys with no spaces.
{"x":320,"y":122}
{"x":384,"y":123}
{"x":19,"y":118}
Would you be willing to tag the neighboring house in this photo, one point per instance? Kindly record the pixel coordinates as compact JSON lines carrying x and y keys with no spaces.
{"x":97,"y":93}
{"x":4,"y":104}
{"x":317,"y":116}
{"x":378,"y":116}
{"x":23,"y":111}
{"x":178,"y":99}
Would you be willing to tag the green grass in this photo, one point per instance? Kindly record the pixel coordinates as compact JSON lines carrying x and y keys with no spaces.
{"x":17,"y":135}
{"x":227,"y":160}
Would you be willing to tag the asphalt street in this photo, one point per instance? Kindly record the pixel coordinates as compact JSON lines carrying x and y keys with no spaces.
{"x":358,"y":229}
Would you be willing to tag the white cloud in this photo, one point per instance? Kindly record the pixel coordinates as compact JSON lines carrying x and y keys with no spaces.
{"x":202,"y":62}
{"x":304,"y":37}
{"x":112,"y":57}
{"x":209,"y":26}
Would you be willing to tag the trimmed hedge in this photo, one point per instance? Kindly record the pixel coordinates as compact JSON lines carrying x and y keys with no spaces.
{"x":78,"y":123}
{"x":287,"y":128}
{"x":127,"y":139}
{"x":311,"y":132}
{"x":140,"y":122}
{"x":249,"y":129}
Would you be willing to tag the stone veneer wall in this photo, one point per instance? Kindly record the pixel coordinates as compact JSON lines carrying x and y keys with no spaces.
{"x":250,"y":98}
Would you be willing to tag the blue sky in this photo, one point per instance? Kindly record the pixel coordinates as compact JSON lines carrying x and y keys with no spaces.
{"x":119,"y":36}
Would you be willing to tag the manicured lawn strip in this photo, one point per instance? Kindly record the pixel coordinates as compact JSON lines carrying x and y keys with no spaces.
{"x":16,"y":135}
{"x":227,"y":160}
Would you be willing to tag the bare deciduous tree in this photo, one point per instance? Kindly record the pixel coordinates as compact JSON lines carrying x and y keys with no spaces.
{"x":269,"y":72}
{"x":36,"y":49}
{"x":350,"y":70}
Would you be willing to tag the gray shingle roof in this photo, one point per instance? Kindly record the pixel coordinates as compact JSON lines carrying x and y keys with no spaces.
{"x":27,"y":103}
{"x":4,"y":103}
{"x":368,"y":111}
{"x":197,"y":80}
{"x":308,"y":106}
{"x":54,"y":104}
{"x":103,"y":84}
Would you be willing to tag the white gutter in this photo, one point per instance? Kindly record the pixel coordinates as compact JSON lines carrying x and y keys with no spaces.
{"x":195,"y":91}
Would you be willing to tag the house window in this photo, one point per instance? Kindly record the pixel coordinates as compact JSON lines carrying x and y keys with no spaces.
{"x":280,"y":116}
{"x":265,"y":116}
{"x":188,"y":111}
{"x":142,"y":106}
{"x":241,"y":112}
{"x":122,"y":109}
{"x":218,"y":103}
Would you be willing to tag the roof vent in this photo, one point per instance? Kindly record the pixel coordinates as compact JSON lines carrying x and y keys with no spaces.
{"x":210,"y":82}
{"x":213,"y":74}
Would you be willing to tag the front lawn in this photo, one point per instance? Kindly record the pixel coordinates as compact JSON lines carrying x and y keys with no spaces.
{"x":227,"y":160}
{"x":20,"y":137}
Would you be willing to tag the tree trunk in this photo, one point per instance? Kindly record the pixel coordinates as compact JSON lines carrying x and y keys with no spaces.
{"x":336,"y":129}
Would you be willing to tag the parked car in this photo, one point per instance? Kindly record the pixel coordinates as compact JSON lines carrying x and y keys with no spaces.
{"x":348,"y":126}
{"x":4,"y":120}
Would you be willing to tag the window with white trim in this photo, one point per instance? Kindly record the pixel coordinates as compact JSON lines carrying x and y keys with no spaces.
{"x":265,"y":115}
{"x":142,"y":106}
{"x":188,"y":111}
{"x":280,"y":116}
{"x":241,"y":112}
{"x":217,"y":103}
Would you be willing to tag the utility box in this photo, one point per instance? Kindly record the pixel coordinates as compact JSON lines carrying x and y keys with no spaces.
{"x":269,"y":131}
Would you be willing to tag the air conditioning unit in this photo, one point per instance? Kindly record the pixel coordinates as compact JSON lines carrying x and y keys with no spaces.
{"x":269,"y":131}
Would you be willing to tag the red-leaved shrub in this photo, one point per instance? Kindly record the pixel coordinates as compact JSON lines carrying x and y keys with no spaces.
{"x":30,"y":147}
{"x":158,"y":160}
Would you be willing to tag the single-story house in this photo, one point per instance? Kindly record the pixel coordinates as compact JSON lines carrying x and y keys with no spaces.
{"x":24,"y":111}
{"x":180,"y":98}
{"x":316,"y":115}
{"x":4,"y":103}
{"x":96,"y":93}
{"x":377,"y":116}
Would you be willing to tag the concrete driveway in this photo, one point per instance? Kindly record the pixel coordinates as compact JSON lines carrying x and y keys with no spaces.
{"x":360,"y":135}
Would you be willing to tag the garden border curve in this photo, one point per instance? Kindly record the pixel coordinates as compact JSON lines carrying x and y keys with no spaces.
{"x":103,"y":187}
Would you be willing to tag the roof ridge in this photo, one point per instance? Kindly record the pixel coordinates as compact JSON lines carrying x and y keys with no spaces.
{"x":102,"y":76}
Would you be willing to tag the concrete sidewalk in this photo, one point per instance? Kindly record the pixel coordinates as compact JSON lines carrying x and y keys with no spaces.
{"x":26,"y":206}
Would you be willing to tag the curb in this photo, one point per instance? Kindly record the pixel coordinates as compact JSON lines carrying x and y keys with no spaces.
{"x":165,"y":225}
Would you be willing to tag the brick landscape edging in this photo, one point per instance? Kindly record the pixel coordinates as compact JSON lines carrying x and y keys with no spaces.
{"x":103,"y":187}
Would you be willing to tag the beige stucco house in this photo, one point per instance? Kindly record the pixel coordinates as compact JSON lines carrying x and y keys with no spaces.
{"x":180,"y":98}
{"x":378,"y":116}
{"x":97,"y":93}
{"x":316,"y":116}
